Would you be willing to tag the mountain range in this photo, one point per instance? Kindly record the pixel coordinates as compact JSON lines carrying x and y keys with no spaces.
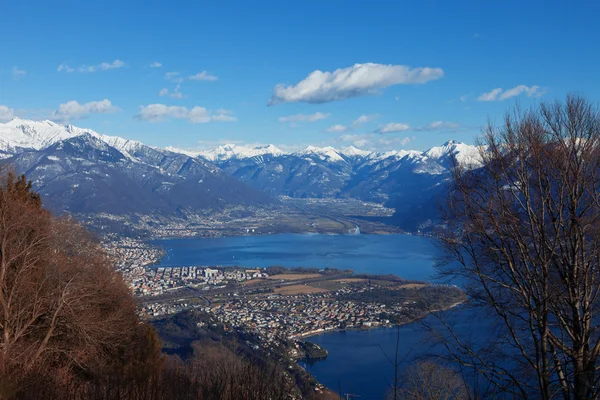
{"x":81,"y":171}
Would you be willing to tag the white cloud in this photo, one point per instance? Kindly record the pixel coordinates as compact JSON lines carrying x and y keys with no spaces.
{"x":222,"y":115}
{"x":406,"y":140}
{"x":195,"y":115}
{"x":304,"y":117}
{"x":18,"y":73}
{"x":337,"y":128}
{"x":65,"y":68}
{"x":491,"y":95}
{"x":363,"y":119}
{"x":354,"y":81}
{"x":174,"y":76}
{"x":204,"y":76}
{"x":73,"y":110}
{"x":500,"y":94}
{"x":517,"y":90}
{"x":401,"y":141}
{"x":464,"y":97}
{"x":176,"y":94}
{"x":156,"y":64}
{"x":159,"y":112}
{"x":437,"y":125}
{"x":113,"y":65}
{"x":6,"y":114}
{"x":372,"y":141}
{"x":360,"y":141}
{"x":199,"y":115}
{"x":393,"y":127}
{"x":105,"y":66}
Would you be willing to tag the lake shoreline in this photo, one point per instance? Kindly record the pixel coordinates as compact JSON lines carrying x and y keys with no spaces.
{"x":371,"y":328}
{"x":360,"y":329}
{"x":406,"y":255}
{"x":308,"y":233}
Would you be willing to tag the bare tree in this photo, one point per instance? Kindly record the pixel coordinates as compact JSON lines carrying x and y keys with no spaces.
{"x":395,"y":363}
{"x":430,"y":381}
{"x":62,"y":305}
{"x":524,"y":229}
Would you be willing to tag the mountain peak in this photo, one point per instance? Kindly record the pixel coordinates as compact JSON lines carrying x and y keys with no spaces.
{"x":28,"y":134}
{"x":352,"y":151}
{"x":464,"y":153}
{"x":228,"y":151}
{"x":452,"y":142}
{"x":325,"y":153}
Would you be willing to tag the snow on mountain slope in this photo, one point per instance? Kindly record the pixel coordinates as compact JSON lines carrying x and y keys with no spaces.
{"x":23,"y":134}
{"x":324,"y":153}
{"x":89,"y":174}
{"x":464,"y":153}
{"x":80,"y":170}
{"x":397,"y":154}
{"x":19,"y":134}
{"x":352,"y":151}
{"x":231,"y":151}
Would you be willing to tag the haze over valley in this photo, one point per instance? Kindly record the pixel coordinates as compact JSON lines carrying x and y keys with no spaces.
{"x":86,"y":173}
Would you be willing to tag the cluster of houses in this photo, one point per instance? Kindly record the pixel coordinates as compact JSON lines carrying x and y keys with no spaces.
{"x":132,"y":257}
{"x":278,"y":317}
{"x":157,"y":281}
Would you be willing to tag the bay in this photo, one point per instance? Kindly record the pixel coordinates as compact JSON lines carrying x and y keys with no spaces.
{"x":357,"y":362}
{"x":408,"y":256}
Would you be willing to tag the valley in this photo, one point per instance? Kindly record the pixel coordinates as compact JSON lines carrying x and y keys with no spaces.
{"x":293,"y":200}
{"x":247,"y":295}
{"x":333,"y":216}
{"x":125,"y":187}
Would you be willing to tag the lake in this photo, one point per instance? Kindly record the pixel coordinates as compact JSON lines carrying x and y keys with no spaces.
{"x":408,"y":256}
{"x":356,"y":362}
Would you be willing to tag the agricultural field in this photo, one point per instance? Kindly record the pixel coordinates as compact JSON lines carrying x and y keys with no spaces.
{"x":298,"y":289}
{"x":294,"y":277}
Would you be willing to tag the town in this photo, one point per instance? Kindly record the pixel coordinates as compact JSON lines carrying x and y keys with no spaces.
{"x":296,"y":316}
{"x":291,"y":216}
{"x":273,"y":303}
{"x":135,"y":260}
{"x":163,"y":279}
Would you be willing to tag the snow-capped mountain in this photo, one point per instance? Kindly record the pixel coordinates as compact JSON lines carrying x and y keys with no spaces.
{"x":232,"y":151}
{"x":80,"y":170}
{"x":352,"y":151}
{"x":463,"y":153}
{"x":19,"y":134}
{"x":324,"y":153}
{"x":409,"y":180}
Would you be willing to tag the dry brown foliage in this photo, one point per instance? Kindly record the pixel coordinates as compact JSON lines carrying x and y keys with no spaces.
{"x":69,"y":330}
{"x":63,"y":308}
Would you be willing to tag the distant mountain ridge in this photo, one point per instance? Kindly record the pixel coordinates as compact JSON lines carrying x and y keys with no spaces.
{"x":464,"y":152}
{"x":80,"y":170}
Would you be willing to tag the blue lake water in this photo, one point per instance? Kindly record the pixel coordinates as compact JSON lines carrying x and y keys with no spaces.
{"x":358,"y":360}
{"x":356,"y":363}
{"x":408,"y":256}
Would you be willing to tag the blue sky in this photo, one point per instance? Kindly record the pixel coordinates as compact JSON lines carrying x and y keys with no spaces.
{"x":419,"y":73}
